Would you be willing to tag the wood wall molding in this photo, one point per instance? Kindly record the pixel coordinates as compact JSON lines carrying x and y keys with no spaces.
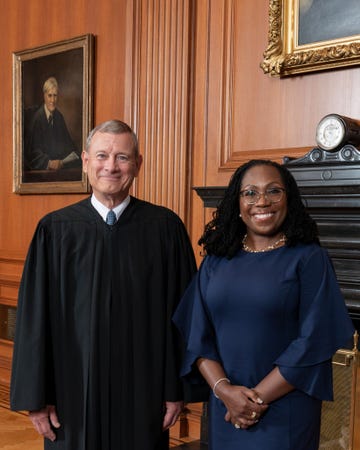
{"x":223,"y":79}
{"x":6,"y":349}
{"x":158,"y":89}
{"x":226,"y":81}
{"x":10,"y":275}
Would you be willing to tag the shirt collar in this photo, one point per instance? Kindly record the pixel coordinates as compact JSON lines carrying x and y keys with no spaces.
{"x":103,"y":210}
{"x":47,"y":112}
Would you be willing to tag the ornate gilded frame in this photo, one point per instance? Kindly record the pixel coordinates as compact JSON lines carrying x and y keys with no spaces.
{"x":283,"y":56}
{"x":71,"y":63}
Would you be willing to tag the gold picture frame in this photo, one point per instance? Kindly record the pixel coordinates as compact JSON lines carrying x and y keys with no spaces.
{"x":42,"y":139}
{"x":303,"y":38}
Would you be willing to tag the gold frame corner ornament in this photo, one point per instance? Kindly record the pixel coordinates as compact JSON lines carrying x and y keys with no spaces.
{"x":283,"y":56}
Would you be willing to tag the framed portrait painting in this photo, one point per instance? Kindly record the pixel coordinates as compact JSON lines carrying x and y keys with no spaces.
{"x":53,"y":114}
{"x":311,"y":35}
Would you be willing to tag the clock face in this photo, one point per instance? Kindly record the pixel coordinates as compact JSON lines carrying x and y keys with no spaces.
{"x":330,"y":132}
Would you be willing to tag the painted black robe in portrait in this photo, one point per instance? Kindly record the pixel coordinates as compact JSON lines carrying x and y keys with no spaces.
{"x":45,"y":142}
{"x":94,"y":333}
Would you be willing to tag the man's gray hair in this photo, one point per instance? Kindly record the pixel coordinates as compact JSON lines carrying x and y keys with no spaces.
{"x":50,"y":83}
{"x":113,"y":127}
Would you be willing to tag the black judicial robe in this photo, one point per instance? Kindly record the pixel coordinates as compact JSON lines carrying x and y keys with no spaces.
{"x":48,"y":142}
{"x":94,"y":333}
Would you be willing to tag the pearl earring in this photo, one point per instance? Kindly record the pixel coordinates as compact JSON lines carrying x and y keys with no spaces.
{"x":240,"y":216}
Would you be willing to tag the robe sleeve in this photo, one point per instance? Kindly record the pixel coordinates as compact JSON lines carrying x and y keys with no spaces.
{"x":324,"y":327}
{"x":32,"y":369}
{"x":192,"y":320}
{"x":181,"y":269}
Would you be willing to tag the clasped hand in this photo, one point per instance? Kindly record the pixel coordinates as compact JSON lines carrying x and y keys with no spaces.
{"x":244,"y":406}
{"x":54,"y":164}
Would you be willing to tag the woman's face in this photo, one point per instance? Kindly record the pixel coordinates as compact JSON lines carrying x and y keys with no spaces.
{"x":264,"y":217}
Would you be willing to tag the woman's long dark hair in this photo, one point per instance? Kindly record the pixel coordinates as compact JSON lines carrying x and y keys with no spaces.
{"x":224,"y":233}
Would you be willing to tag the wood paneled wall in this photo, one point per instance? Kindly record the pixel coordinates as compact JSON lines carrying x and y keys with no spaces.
{"x":30,"y":24}
{"x":238,"y":112}
{"x":185,"y":74}
{"x":158,"y":98}
{"x":26,"y":25}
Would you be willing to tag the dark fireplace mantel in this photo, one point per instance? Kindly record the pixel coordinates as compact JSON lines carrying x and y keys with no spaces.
{"x":329,"y":183}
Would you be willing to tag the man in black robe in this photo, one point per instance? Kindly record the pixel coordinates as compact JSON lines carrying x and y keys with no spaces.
{"x":96,"y":358}
{"x":48,"y":144}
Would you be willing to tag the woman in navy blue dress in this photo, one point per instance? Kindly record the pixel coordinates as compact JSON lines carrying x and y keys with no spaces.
{"x":263,"y":317}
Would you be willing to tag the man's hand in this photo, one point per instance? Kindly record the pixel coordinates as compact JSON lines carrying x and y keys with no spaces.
{"x":54,"y":164}
{"x":44,"y":420}
{"x":172,"y":412}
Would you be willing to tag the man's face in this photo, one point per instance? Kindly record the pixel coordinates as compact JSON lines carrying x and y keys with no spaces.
{"x":111,"y":166}
{"x":50,"y":99}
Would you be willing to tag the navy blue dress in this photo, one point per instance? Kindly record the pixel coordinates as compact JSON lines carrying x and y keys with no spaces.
{"x":257,"y":311}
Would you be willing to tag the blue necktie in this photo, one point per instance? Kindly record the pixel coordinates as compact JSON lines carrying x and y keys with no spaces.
{"x":111,"y":217}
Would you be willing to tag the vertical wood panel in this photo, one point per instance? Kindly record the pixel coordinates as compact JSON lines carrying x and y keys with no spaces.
{"x":159,"y":86}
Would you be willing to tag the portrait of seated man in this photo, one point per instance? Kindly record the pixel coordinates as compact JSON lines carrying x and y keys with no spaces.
{"x":48,"y":144}
{"x":323,"y":20}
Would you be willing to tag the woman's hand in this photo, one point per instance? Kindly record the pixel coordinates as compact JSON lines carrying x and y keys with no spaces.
{"x":244,"y":406}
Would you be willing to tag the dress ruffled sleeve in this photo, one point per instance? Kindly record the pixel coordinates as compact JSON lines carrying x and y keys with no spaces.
{"x":192,"y":320}
{"x":324,"y":327}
